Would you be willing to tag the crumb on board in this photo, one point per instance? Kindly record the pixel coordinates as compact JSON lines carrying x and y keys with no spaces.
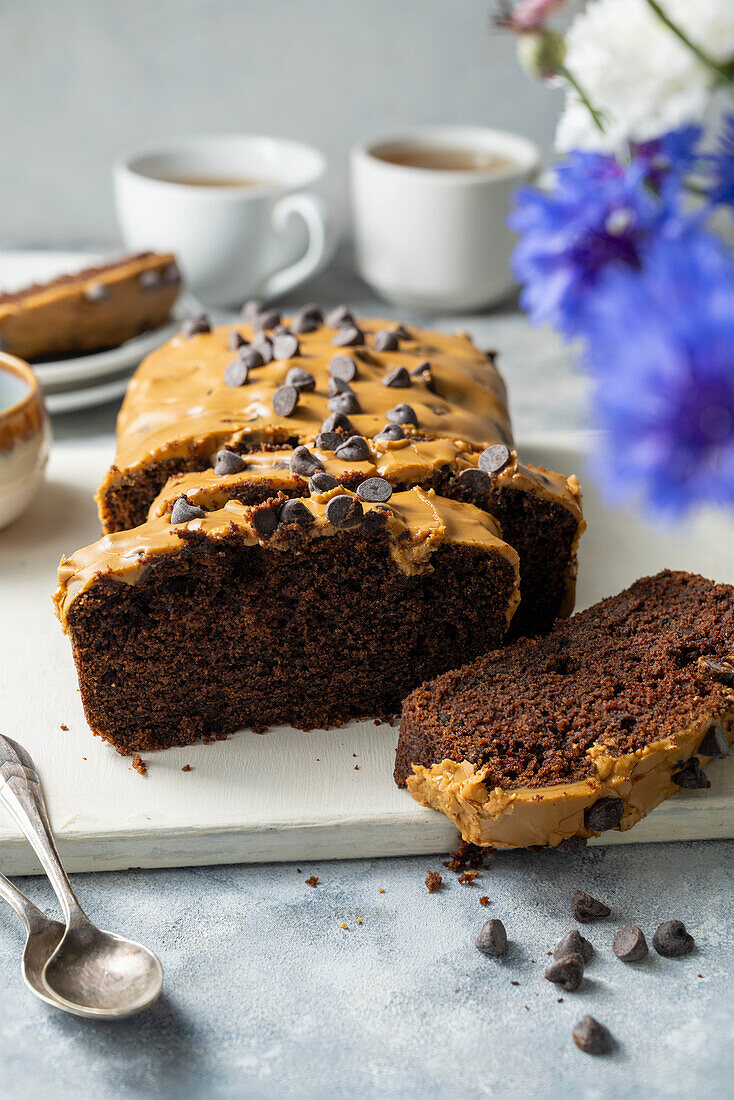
{"x":513,"y":982}
{"x":466,"y":878}
{"x":139,"y":764}
{"x":381,"y":890}
{"x":344,"y":925}
{"x":359,"y":920}
{"x":299,"y":871}
{"x":484,"y":900}
{"x":186,"y":768}
{"x":64,"y":727}
{"x":434,"y":881}
{"x":356,"y":767}
{"x":312,"y":880}
{"x":468,"y":856}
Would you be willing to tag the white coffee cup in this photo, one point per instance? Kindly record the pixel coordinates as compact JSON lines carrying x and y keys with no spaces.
{"x":259,"y":235}
{"x":437,"y":239}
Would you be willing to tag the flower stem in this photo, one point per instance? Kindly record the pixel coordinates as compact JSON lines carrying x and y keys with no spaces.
{"x":724,"y":72}
{"x":596,"y":115}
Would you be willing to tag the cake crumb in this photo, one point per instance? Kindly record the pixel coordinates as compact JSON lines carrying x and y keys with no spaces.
{"x":299,"y":871}
{"x":434,"y":881}
{"x":356,"y":767}
{"x":466,"y":878}
{"x":139,"y":764}
{"x":312,"y":881}
{"x":186,"y":768}
{"x":560,"y":1000}
{"x":64,"y":727}
{"x":344,"y":925}
{"x":514,"y":983}
{"x":484,"y":900}
{"x":468,"y":855}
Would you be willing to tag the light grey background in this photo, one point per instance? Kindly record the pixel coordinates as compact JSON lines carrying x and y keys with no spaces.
{"x":83,"y":80}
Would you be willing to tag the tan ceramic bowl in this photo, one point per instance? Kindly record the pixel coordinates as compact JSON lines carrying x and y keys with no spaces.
{"x":24,"y":437}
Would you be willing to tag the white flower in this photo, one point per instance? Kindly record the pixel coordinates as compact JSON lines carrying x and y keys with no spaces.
{"x":637,"y":73}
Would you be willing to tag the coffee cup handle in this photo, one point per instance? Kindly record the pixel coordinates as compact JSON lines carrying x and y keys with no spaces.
{"x":321,"y":242}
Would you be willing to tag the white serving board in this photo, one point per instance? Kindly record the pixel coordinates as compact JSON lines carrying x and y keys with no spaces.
{"x":285,"y":795}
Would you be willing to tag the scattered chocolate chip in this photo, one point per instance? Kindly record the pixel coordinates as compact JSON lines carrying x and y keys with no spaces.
{"x":401,"y":332}
{"x":345,"y":403}
{"x":391,"y":433}
{"x":692,"y":777}
{"x":96,"y":292}
{"x":494,"y":458}
{"x":194,"y":325}
{"x":348,"y":336}
{"x":285,"y":400}
{"x":285,"y":346}
{"x":397,"y":379}
{"x":302,"y":325}
{"x":301,"y":379}
{"x":266,"y":319}
{"x":150,"y":279}
{"x":322,"y":483}
{"x":572,"y":844}
{"x":585,"y":908}
{"x":344,"y":367}
{"x":236,"y":373}
{"x":250,"y":357}
{"x":422,"y":368}
{"x":592,"y":1037}
{"x":475,"y":480}
{"x":715,"y":743}
{"x":385,"y":340}
{"x":606,"y":813}
{"x":339,"y":316}
{"x":722,"y":670}
{"x":264,"y":348}
{"x":672,"y":940}
{"x":228,"y":462}
{"x":236,"y":340}
{"x":304,"y":463}
{"x":573,"y":943}
{"x":356,"y":449}
{"x":337,"y":421}
{"x":629,"y":944}
{"x":402,"y":414}
{"x":344,"y":511}
{"x":328,"y":441}
{"x":295,"y":511}
{"x":492,"y":938}
{"x":182,"y":511}
{"x":265,"y":520}
{"x":375,"y":490}
{"x":251,"y":309}
{"x":568,"y":972}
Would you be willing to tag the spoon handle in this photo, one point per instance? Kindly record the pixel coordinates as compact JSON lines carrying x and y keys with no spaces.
{"x":32,"y":917}
{"x":21,"y":794}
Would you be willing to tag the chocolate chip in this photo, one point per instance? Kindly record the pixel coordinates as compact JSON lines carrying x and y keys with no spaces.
{"x":150,"y":279}
{"x":251,"y":309}
{"x":322,"y":483}
{"x":282,"y":330}
{"x":295,"y":511}
{"x":672,"y":940}
{"x":606,"y":813}
{"x":285,"y":400}
{"x":344,"y":367}
{"x":715,"y":743}
{"x":96,"y":292}
{"x":375,"y":490}
{"x":572,"y":844}
{"x":422,"y":368}
{"x":592,"y":1037}
{"x":391,"y":433}
{"x":250,"y":356}
{"x":475,"y":480}
{"x":338,"y":385}
{"x":236,"y":340}
{"x":266,"y":319}
{"x":402,"y":414}
{"x":348,"y":336}
{"x":629,"y":944}
{"x":492,"y":938}
{"x":182,"y":511}
{"x":568,"y":972}
{"x":302,"y":325}
{"x":573,"y":943}
{"x":194,"y":325}
{"x":337,"y":421}
{"x":265,"y":520}
{"x":345,"y":403}
{"x":356,"y":449}
{"x":344,"y":511}
{"x":339,"y":316}
{"x":264,"y":348}
{"x":285,"y":346}
{"x":692,"y":777}
{"x":722,"y":670}
{"x":401,"y":332}
{"x":228,"y":462}
{"x":385,"y":340}
{"x":304,"y":463}
{"x":236,"y":373}
{"x":397,"y":379}
{"x":301,"y":379}
{"x":328,"y":441}
{"x":494,"y":458}
{"x":311,"y":312}
{"x":585,"y":908}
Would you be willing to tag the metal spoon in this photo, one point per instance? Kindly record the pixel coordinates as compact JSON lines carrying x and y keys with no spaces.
{"x":90,"y":973}
{"x":43,"y":936}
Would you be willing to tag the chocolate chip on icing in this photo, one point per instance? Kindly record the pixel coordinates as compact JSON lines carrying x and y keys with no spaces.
{"x":492,"y":938}
{"x":401,"y":332}
{"x":303,"y":325}
{"x":251,"y":309}
{"x":96,"y":292}
{"x":391,"y":433}
{"x":312,"y":312}
{"x":338,"y":385}
{"x":195,"y":325}
{"x":150,"y":279}
{"x":672,"y":940}
{"x":592,"y":1037}
{"x":715,"y":743}
{"x":328,"y":441}
{"x":236,"y":373}
{"x":344,"y":403}
{"x":264,"y":348}
{"x":385,"y":340}
{"x":282,"y":330}
{"x":265,"y":520}
{"x":322,"y":483}
{"x":229,"y":462}
{"x":402,"y":414}
{"x":568,"y":972}
{"x":422,"y":368}
{"x":397,"y":379}
{"x":348,"y":336}
{"x":344,"y":511}
{"x":494,"y":458}
{"x":285,"y":346}
{"x":266,"y":319}
{"x":336,"y":421}
{"x":573,"y":943}
{"x":606,"y":813}
{"x":692,"y":777}
{"x":285,"y":400}
{"x":304,"y":463}
{"x":236,"y":340}
{"x":375,"y":490}
{"x":301,"y":379}
{"x":339,"y":316}
{"x":629,"y":944}
{"x":584,"y":908}
{"x":250,"y":356}
{"x":723,"y":670}
{"x":356,"y":449}
{"x":344,"y":367}
{"x":182,"y":511}
{"x":475,"y":480}
{"x":295,"y":511}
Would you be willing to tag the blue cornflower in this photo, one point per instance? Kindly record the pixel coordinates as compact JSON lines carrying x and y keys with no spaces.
{"x":670,"y":157}
{"x":663,"y":358}
{"x":721,"y":166}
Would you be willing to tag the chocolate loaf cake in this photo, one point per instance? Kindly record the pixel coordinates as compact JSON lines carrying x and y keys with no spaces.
{"x":584,"y":730}
{"x":303,"y":611}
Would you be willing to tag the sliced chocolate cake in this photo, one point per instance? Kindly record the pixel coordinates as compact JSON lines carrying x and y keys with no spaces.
{"x":305,"y":611}
{"x":584,"y":730}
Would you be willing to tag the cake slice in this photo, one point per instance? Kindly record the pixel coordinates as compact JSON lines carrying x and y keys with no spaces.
{"x":304,"y":612}
{"x":584,"y":730}
{"x":97,"y":308}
